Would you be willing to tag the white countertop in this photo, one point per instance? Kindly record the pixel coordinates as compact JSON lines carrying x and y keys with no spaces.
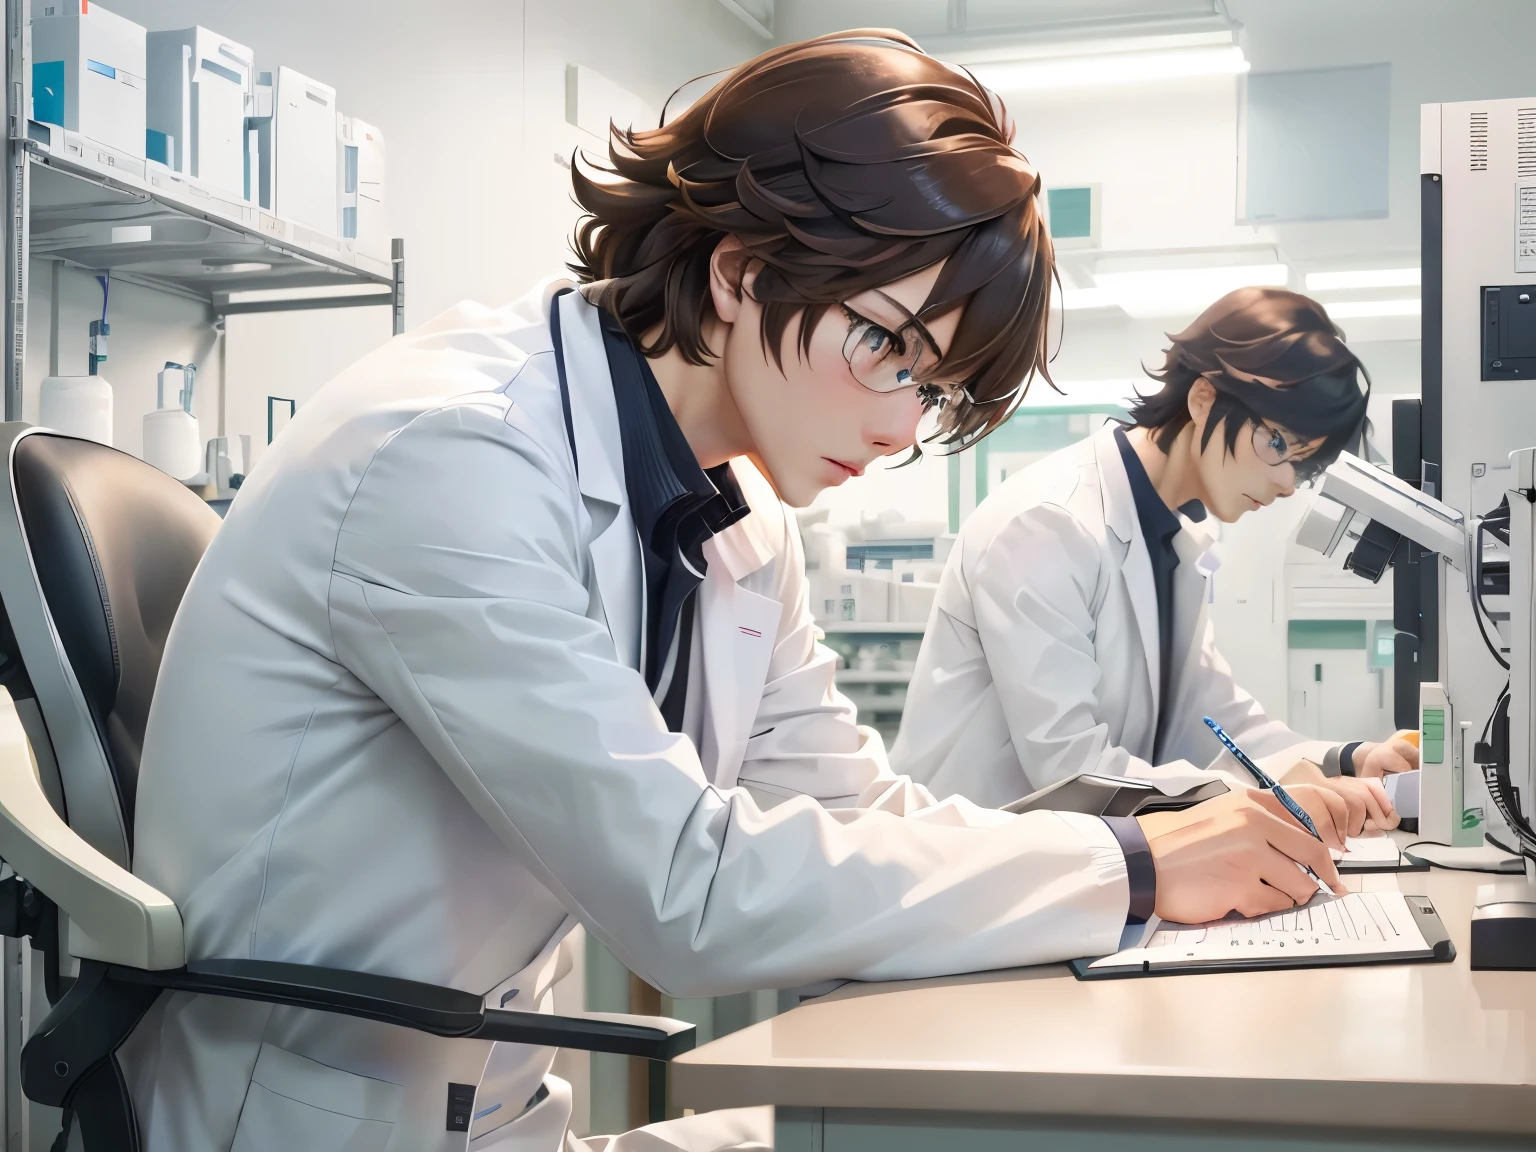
{"x":1411,"y":1046}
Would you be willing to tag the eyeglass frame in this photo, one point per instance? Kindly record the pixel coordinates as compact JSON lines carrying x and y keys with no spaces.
{"x":1261,"y":445}
{"x":921,"y":340}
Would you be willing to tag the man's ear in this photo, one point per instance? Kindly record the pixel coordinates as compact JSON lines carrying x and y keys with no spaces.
{"x":1202,"y":395}
{"x":730,"y":278}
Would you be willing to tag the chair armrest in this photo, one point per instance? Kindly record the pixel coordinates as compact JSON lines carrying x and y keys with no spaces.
{"x":421,"y":1007}
{"x":652,"y":1037}
{"x":114,"y":916}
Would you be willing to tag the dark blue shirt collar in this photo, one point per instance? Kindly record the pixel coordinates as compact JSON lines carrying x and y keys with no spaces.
{"x":676,"y":505}
{"x":1159,"y":523}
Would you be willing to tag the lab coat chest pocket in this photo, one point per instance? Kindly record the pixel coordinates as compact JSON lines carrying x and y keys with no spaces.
{"x":739,"y":630}
{"x":296,"y":1103}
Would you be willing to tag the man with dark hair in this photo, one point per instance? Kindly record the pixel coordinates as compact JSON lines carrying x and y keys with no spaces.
{"x":510,"y":631}
{"x":1070,"y":632}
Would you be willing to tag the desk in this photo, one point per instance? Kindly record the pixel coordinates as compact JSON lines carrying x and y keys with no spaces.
{"x":1423,"y":1056}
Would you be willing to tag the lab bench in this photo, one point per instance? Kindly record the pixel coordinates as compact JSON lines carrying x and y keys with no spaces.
{"x":1427,"y":1056}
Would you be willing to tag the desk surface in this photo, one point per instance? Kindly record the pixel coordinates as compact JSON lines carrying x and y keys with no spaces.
{"x":1415,"y":1046}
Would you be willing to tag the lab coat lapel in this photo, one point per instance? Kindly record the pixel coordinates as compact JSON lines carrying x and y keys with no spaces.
{"x":1198,"y":561}
{"x":1136,"y":569}
{"x":739,"y":628}
{"x":600,"y":468}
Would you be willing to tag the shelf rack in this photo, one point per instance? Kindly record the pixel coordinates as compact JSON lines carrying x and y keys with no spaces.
{"x":70,"y":199}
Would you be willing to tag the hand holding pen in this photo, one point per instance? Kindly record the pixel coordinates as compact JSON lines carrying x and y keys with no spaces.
{"x":1286,"y":800}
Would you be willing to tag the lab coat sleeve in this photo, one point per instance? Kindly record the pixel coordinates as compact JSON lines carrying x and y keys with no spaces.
{"x":458,"y":597}
{"x":1032,"y":590}
{"x":808,"y":741}
{"x":1222,"y":698}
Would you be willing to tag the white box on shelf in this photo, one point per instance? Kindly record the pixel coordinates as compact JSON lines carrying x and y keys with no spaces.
{"x":200,"y":92}
{"x":912,"y":601}
{"x":304,"y":151}
{"x":852,"y":597}
{"x":360,"y":167}
{"x":88,"y":67}
{"x":290,"y":161}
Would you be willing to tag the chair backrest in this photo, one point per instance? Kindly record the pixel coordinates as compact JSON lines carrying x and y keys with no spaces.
{"x":96,"y":550}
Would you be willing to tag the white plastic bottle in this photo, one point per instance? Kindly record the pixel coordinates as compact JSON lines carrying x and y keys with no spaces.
{"x":77,"y":406}
{"x":171,"y":439}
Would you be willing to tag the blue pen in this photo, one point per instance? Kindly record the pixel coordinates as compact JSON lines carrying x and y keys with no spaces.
{"x":1268,"y":782}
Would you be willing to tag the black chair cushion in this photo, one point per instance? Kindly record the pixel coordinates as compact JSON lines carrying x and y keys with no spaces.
{"x":114,"y":541}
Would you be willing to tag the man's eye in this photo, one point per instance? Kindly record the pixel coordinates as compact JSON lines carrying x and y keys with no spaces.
{"x":1277,"y":442}
{"x":877,"y":339}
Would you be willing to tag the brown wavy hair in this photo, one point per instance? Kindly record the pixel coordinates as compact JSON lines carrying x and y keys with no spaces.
{"x":842,"y":164}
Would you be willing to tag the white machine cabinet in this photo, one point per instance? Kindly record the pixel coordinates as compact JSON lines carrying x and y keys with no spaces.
{"x":200,"y":87}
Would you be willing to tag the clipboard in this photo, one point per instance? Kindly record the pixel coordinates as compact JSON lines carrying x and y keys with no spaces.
{"x":1437,"y":949}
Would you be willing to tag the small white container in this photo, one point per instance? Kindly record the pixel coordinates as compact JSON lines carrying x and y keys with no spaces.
{"x":77,"y":406}
{"x":172,"y":443}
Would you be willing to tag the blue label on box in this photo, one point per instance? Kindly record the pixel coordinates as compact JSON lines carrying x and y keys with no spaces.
{"x":48,"y":92}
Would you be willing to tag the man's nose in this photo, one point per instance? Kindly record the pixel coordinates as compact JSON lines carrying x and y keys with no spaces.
{"x":892,"y":422}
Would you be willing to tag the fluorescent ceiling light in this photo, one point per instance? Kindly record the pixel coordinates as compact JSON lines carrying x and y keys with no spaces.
{"x":1072,"y":299}
{"x":1111,"y":68}
{"x":1184,"y":291}
{"x":1367,"y":278}
{"x":1353,"y":309}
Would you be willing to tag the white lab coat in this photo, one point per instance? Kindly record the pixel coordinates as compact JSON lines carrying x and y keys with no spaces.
{"x":399,"y":729}
{"x":1041,"y":656}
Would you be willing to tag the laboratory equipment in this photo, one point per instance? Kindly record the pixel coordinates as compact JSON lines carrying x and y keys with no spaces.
{"x":225,"y":464}
{"x":360,"y":163}
{"x":171,"y":440}
{"x":1361,"y":502}
{"x":199,"y":92}
{"x":291,"y":160}
{"x":1504,"y":920}
{"x":1385,"y":509}
{"x":88,"y":72}
{"x":258,"y":143}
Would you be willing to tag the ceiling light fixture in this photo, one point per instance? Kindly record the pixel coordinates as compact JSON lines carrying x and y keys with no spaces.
{"x":1103,"y":69}
{"x":1355,"y":309}
{"x":1363,"y":278}
{"x":1072,"y":299}
{"x":1184,"y":291}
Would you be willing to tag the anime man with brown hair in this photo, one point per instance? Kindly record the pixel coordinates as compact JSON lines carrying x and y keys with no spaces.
{"x":509,"y":632}
{"x":1093,"y":563}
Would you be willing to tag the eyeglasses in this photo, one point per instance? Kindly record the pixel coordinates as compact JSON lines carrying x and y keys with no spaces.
{"x":1272,"y":448}
{"x":885,"y":361}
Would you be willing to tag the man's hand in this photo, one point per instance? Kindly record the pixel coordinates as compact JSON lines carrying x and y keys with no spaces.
{"x":1239,"y":852}
{"x":1367,"y":806}
{"x":1377,"y":760}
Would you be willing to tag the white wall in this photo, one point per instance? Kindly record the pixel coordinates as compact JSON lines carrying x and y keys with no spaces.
{"x":471,"y":98}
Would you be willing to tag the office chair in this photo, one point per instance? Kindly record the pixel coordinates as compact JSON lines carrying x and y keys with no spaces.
{"x":96,"y":550}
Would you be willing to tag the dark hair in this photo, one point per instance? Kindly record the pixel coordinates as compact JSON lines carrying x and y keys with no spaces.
{"x":1273,"y":357}
{"x":842,"y":164}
